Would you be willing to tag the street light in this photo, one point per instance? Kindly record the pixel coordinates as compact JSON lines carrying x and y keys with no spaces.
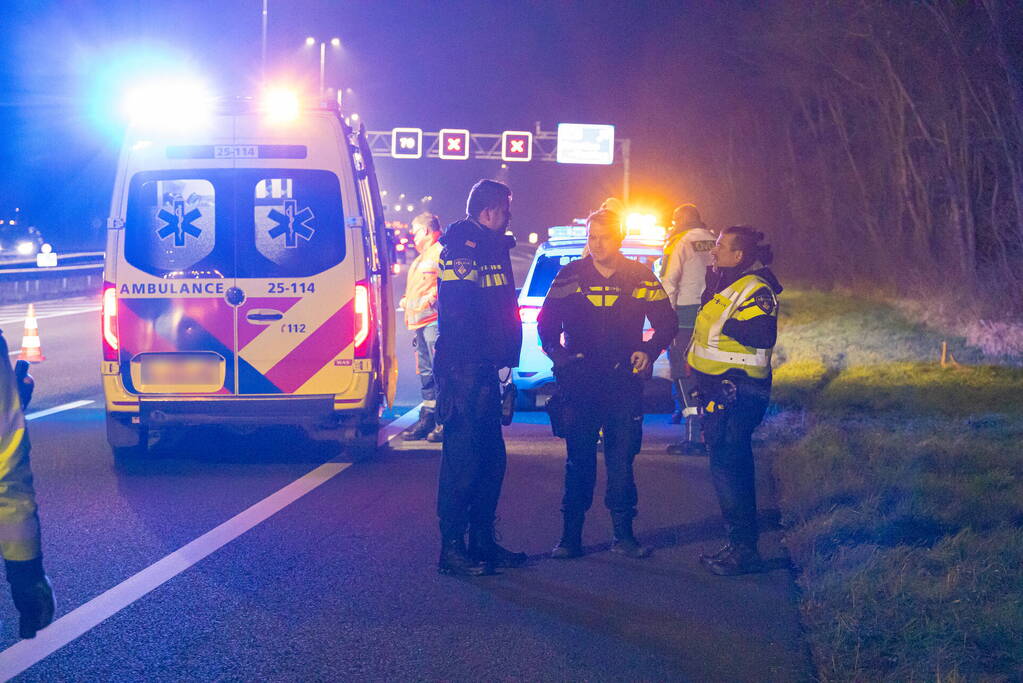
{"x":334,"y":42}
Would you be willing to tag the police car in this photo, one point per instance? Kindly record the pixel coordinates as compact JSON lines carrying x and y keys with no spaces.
{"x":247,"y":276}
{"x":534,"y":377}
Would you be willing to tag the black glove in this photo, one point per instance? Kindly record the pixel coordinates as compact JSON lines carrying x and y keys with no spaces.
{"x":33,"y":595}
{"x":26,"y":385}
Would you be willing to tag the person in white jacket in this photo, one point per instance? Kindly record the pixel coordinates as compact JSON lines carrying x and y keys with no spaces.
{"x":683,"y":273}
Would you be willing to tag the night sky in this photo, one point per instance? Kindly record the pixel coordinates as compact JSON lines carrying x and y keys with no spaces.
{"x":658,"y":71}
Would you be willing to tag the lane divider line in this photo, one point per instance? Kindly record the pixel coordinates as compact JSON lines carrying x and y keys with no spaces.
{"x":58,"y":409}
{"x":25,"y":653}
{"x":47,"y":316}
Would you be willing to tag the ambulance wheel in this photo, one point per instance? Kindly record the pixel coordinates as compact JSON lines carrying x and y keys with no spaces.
{"x":363,"y":444}
{"x":362,"y":447}
{"x":126,"y":439}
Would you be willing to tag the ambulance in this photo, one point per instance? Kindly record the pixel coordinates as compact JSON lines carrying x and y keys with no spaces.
{"x":247,"y":277}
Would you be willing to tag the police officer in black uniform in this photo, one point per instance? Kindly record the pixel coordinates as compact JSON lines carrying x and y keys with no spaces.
{"x":599,"y":303}
{"x":480,"y":333}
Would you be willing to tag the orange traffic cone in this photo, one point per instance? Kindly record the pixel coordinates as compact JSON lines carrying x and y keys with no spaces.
{"x":30,"y":349}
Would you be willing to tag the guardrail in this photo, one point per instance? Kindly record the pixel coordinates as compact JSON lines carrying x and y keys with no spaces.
{"x":75,"y":274}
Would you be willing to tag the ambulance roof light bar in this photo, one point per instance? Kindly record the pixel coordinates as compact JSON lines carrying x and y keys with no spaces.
{"x":172,"y":104}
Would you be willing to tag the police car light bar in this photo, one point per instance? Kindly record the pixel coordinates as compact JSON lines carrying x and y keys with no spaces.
{"x":566,"y":233}
{"x":644,"y":227}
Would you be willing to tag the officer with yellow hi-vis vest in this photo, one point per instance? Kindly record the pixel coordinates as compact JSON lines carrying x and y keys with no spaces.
{"x":19,"y":519}
{"x":730,"y":358}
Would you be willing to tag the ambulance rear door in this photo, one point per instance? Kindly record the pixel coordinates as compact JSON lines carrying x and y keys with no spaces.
{"x":383,"y":313}
{"x":297,"y":321}
{"x":175,"y":327}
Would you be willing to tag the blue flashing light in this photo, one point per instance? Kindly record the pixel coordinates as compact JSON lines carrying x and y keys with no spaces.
{"x":147,"y":86}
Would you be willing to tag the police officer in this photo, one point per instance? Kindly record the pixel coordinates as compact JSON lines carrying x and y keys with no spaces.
{"x":730,"y":356}
{"x":420,"y":305}
{"x":683,"y":271}
{"x":19,"y":519}
{"x":599,"y":303}
{"x":480,"y":333}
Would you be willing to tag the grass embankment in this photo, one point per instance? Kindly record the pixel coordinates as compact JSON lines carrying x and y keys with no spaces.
{"x":902,"y":494}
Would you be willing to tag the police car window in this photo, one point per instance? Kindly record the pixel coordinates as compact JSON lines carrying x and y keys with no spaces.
{"x":171,"y":225}
{"x":298,"y":225}
{"x":545,"y":270}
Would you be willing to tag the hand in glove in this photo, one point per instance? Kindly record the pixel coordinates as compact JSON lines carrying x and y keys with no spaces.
{"x":26,"y":385}
{"x":33,"y":595}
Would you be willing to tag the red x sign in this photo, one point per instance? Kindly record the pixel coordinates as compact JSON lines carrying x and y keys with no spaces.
{"x":454,"y":143}
{"x":516,"y":145}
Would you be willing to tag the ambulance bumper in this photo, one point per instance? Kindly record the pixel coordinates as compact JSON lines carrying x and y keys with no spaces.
{"x":182,"y":411}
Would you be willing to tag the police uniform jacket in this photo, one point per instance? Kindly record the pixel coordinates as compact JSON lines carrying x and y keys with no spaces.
{"x":602,"y":318}
{"x":19,"y":520}
{"x":477,"y":307}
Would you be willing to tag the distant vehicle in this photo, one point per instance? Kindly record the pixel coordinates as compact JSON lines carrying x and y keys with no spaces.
{"x":534,"y":377}
{"x":18,"y":240}
{"x":248,"y":278}
{"x":402,"y":242}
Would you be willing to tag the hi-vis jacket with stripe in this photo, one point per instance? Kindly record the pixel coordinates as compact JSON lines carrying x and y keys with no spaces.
{"x":602,"y":318}
{"x":737,"y":327}
{"x":684,"y":265}
{"x":420,"y":300}
{"x":19,"y":519}
{"x":478,"y":313}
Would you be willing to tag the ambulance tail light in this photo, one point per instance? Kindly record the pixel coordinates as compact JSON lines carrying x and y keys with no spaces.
{"x":110,"y":341}
{"x":363,"y":320}
{"x":529,"y":314}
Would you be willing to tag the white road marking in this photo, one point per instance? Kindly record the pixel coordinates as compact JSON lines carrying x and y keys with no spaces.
{"x":46,"y":316}
{"x":57,"y":409}
{"x":67,"y":628}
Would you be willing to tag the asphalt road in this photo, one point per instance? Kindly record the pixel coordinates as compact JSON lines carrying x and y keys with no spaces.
{"x":340,"y":583}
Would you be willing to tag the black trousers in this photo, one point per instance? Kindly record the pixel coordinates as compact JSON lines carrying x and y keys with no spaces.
{"x":611,"y":400}
{"x":728,"y":433}
{"x":473,"y":461}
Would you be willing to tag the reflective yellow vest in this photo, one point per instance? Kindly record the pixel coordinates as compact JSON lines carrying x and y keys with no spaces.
{"x":19,"y":521}
{"x":714,"y":353}
{"x":669,"y":247}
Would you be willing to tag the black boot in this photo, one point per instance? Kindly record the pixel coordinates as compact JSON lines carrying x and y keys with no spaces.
{"x":571,"y":544}
{"x":437,"y":435}
{"x":694,"y":448}
{"x":718,"y":554}
{"x":455,"y":561}
{"x":624,"y":542}
{"x":484,"y":548}
{"x":420,"y":429}
{"x":737,"y":559}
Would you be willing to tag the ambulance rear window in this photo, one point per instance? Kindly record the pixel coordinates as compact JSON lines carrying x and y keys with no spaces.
{"x":244,"y":223}
{"x":171,"y":223}
{"x":297,"y":224}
